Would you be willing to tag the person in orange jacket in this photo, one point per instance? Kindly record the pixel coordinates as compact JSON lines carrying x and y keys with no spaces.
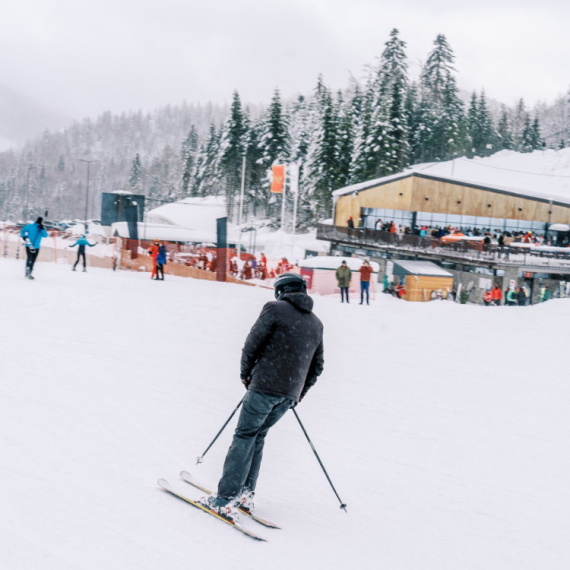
{"x":496,"y":295}
{"x":487,"y":297}
{"x":153,"y":252}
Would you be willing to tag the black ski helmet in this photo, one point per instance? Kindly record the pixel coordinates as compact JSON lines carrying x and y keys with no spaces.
{"x":287,"y":283}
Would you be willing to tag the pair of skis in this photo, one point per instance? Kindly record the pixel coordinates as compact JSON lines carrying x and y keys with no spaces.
{"x":187,"y":477}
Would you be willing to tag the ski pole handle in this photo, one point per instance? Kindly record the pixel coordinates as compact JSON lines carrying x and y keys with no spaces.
{"x":342,"y":505}
{"x":201,"y":458}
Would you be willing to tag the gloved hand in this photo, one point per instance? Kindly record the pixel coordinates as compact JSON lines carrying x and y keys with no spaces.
{"x":246,"y":382}
{"x":294,"y":404}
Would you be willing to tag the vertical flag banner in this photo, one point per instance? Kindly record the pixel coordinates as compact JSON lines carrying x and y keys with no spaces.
{"x":294,"y":177}
{"x":278,"y":178}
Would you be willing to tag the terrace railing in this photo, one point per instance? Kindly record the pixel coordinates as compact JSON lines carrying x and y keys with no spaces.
{"x":463,"y":251}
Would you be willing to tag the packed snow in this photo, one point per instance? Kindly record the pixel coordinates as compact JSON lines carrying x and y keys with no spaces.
{"x":444,"y":428}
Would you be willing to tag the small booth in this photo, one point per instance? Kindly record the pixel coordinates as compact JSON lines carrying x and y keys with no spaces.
{"x":423,"y":280}
{"x":320,"y":274}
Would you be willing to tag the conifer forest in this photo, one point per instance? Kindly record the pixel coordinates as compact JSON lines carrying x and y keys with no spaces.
{"x":376,"y":126}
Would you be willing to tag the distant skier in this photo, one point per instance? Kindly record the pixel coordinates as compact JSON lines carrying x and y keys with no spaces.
{"x":32,"y":235}
{"x":81,"y":243}
{"x":160,"y":261}
{"x":281,"y":360}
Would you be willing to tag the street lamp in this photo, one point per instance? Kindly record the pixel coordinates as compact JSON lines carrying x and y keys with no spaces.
{"x":87,"y":189}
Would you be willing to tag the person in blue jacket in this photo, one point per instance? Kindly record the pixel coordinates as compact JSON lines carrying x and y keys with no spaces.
{"x":81,"y":242}
{"x":32,"y":235}
{"x":160,"y":262}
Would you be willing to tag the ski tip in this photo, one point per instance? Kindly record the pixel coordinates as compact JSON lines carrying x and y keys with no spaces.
{"x":185,"y":475}
{"x":164,"y":484}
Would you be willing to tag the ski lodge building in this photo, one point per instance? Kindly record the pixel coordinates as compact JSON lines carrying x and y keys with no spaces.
{"x":415,"y":199}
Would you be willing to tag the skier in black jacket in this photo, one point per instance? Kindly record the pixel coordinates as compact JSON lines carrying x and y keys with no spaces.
{"x":281,"y":360}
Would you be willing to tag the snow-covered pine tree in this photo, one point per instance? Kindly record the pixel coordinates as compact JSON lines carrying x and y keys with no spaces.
{"x":344,"y":141}
{"x":504,"y":133}
{"x":535,"y":138}
{"x":136,"y":177}
{"x":207,"y":173}
{"x":233,"y":148}
{"x":323,"y":167}
{"x":473,"y":126}
{"x":488,"y":141}
{"x":518,"y":121}
{"x":275,"y":147}
{"x":527,"y":137}
{"x":388,"y":151}
{"x":188,"y":159}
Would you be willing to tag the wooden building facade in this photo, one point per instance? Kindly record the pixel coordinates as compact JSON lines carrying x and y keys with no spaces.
{"x":417,"y":192}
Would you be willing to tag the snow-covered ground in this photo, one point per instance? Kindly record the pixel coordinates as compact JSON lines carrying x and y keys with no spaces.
{"x":443,"y":426}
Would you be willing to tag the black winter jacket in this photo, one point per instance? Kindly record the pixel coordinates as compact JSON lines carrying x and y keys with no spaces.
{"x":283,"y":353}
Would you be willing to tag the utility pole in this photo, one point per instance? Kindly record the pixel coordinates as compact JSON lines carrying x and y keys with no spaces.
{"x":87,"y":190}
{"x":241,"y":210}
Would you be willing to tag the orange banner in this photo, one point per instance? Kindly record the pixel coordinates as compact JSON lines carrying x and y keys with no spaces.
{"x":278,"y":179}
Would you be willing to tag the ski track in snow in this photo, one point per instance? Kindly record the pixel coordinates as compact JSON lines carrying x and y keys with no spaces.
{"x":443,"y":428}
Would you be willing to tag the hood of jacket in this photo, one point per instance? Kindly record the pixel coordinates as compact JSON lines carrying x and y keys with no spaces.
{"x":299,"y":300}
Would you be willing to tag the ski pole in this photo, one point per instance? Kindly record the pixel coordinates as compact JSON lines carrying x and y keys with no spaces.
{"x":342,"y":505}
{"x":201,"y":458}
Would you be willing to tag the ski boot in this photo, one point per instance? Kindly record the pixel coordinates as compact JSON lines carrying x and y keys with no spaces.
{"x":246,"y":502}
{"x":226,"y":510}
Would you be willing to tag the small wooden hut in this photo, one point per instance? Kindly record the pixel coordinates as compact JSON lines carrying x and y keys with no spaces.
{"x":423,"y":280}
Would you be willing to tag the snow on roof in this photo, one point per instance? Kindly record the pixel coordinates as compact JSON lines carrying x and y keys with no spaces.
{"x":190,"y":213}
{"x":541,"y":174}
{"x":334,"y":262}
{"x":420,"y":268}
{"x":148,"y":231}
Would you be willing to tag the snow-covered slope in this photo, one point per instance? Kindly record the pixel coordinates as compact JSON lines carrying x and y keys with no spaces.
{"x":444,"y":428}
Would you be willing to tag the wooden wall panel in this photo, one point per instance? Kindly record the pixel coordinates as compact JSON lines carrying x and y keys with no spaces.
{"x":415,"y":287}
{"x":443,"y":198}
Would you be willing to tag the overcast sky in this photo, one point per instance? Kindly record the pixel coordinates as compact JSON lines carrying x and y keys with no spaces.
{"x":81,"y":58}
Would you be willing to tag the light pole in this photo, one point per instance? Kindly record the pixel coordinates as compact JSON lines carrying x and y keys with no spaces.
{"x":87,"y":189}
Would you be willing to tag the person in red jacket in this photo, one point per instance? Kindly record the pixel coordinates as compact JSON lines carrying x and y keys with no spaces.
{"x":153,"y":251}
{"x":365,"y":272}
{"x":496,"y":295}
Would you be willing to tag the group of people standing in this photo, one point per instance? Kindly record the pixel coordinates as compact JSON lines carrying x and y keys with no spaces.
{"x":344,"y":277}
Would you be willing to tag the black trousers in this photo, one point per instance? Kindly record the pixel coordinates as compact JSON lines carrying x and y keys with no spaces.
{"x":160,"y":271}
{"x":31,"y":259}
{"x":80,"y":253}
{"x":241,"y":467}
{"x":343,"y":292}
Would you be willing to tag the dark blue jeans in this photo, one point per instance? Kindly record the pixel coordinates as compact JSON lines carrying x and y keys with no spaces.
{"x":343,"y":291}
{"x":241,"y":467}
{"x":364,"y":286}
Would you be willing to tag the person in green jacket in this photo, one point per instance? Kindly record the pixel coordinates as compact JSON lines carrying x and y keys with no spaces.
{"x":511,"y":297}
{"x":343,"y":276}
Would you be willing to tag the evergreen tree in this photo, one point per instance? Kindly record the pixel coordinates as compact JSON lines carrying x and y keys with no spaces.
{"x":188,"y":156}
{"x":61,"y":163}
{"x":345,"y":141}
{"x":207,"y":173}
{"x":527,"y":136}
{"x":442,"y":132}
{"x":233,"y":148}
{"x":486,"y":129}
{"x":504,"y":133}
{"x":473,"y":126}
{"x":324,"y":164}
{"x":535,"y":138}
{"x":136,"y":178}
